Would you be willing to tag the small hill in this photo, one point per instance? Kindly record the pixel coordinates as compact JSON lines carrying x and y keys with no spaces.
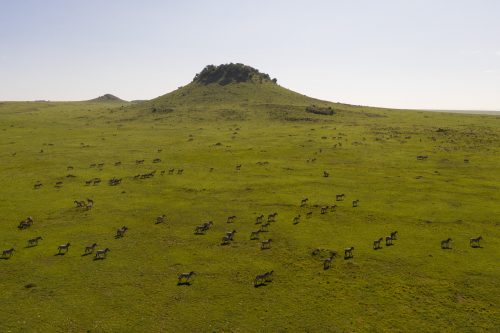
{"x":234,"y":86}
{"x":107,"y":98}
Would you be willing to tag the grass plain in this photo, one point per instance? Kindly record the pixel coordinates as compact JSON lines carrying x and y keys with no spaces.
{"x":370,"y":154}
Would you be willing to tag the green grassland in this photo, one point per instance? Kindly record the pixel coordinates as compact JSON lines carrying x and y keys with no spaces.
{"x":370,"y":154}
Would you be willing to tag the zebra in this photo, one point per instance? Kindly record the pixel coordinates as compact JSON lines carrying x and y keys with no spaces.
{"x":445,"y":244}
{"x":376,"y":243}
{"x":265,"y":227}
{"x":394,"y":235}
{"x":339,"y":197}
{"x":79,"y":204}
{"x":259,"y":219}
{"x":90,"y":248}
{"x":388,"y":241}
{"x":304,"y":202}
{"x":348,"y":252}
{"x":171,"y":171}
{"x":326,"y":174}
{"x":255,"y":234}
{"x":296,"y":219}
{"x":230,"y":219}
{"x":327,"y":263}
{"x":324,"y":209}
{"x":121,"y":232}
{"x":118,"y":163}
{"x":180,"y":171}
{"x":261,"y":279}
{"x":355,"y":203}
{"x":139,"y":161}
{"x":8,"y":252}
{"x":474,"y":242}
{"x":309,"y":215}
{"x":185,"y":278}
{"x":230,"y":234}
{"x":64,"y":247}
{"x":160,"y":219}
{"x":272,"y":217}
{"x":238,"y":167}
{"x":266,"y":244}
{"x":26,"y":223}
{"x":199,"y":229}
{"x":34,"y":241}
{"x":102,"y":253}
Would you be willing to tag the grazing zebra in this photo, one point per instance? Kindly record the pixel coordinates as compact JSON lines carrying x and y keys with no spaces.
{"x":8,"y":252}
{"x":324,"y":209}
{"x":118,"y":163}
{"x":230,"y":219}
{"x":259,"y":219}
{"x":89,"y":182}
{"x":97,"y":181}
{"x":327,"y":263}
{"x":37,"y":185}
{"x":160,"y":219}
{"x":394,"y":235}
{"x":348,"y":252}
{"x":156,"y":160}
{"x":304,"y":202}
{"x":139,"y":161}
{"x":255,"y":235}
{"x":185,"y":278}
{"x":264,"y":227}
{"x":272,"y":217}
{"x":474,"y":242}
{"x":238,"y":167}
{"x":171,"y":171}
{"x":355,"y":203}
{"x":102,"y":253}
{"x":340,"y":197}
{"x":180,"y":171}
{"x":64,"y":247}
{"x":309,"y":215}
{"x":261,"y":279}
{"x":376,"y":243}
{"x":333,"y":208}
{"x":445,"y":244}
{"x":266,"y":244}
{"x":34,"y":241}
{"x":388,"y":241}
{"x":100,"y":165}
{"x":121,"y":232}
{"x":296,"y":219}
{"x":326,"y":174}
{"x":90,"y":248}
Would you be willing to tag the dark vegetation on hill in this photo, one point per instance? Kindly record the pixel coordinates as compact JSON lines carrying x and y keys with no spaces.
{"x":230,"y":73}
{"x":328,"y":111}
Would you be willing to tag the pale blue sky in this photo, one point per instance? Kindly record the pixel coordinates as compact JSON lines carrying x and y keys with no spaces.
{"x":440,"y":54}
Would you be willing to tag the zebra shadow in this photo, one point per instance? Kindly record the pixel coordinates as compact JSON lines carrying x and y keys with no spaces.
{"x":476,"y":246}
{"x":29,"y":246}
{"x":184,"y":283}
{"x":5,"y":258}
{"x":263,"y":284}
{"x":86,"y":254}
{"x":99,"y":258}
{"x":60,"y":254}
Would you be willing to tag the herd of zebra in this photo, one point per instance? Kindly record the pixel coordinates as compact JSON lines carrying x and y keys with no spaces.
{"x":260,"y":279}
